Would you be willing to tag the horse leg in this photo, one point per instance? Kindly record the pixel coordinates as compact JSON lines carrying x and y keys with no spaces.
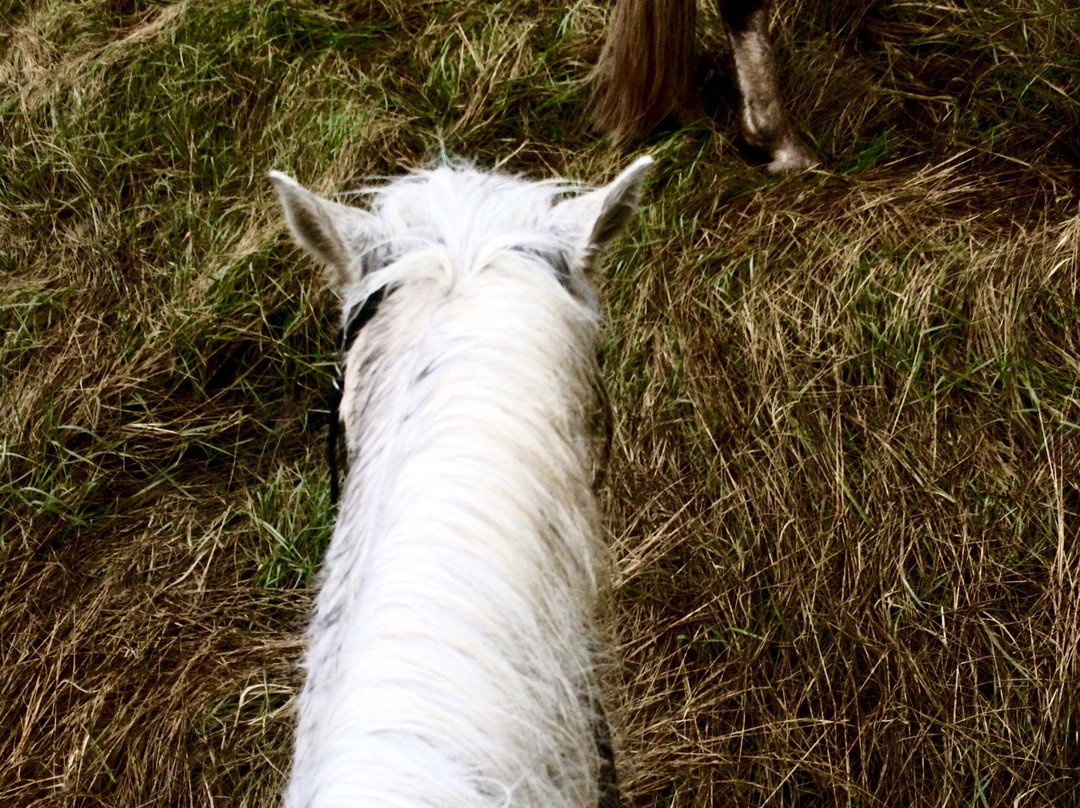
{"x":764,"y":121}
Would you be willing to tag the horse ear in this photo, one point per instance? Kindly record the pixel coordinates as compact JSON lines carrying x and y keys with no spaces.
{"x":594,"y":219}
{"x":330,"y":232}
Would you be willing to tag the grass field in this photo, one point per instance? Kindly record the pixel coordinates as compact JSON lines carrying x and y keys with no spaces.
{"x":844,"y":492}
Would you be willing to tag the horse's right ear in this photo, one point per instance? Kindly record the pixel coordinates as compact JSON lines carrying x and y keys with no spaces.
{"x":333,"y":234}
{"x":593,"y":220}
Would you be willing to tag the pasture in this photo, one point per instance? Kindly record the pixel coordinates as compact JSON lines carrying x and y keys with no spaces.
{"x":844,"y":491}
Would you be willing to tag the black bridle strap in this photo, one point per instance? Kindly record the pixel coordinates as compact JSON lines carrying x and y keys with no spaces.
{"x":333,"y":432}
{"x":359,"y":316}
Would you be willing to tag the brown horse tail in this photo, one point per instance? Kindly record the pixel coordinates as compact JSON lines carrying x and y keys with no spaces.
{"x":646,"y":67}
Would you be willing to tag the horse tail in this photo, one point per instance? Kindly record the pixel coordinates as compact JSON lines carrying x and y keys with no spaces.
{"x":646,"y":67}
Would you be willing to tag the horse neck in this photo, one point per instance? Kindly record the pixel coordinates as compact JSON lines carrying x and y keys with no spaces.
{"x":459,"y":592}
{"x":474,"y":406}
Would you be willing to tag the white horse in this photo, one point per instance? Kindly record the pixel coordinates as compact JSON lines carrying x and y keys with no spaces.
{"x":452,"y":657}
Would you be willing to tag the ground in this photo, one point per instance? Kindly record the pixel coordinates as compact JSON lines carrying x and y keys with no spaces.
{"x":844,"y":487}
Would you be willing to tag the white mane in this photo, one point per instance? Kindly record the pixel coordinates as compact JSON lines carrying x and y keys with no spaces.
{"x":452,"y":653}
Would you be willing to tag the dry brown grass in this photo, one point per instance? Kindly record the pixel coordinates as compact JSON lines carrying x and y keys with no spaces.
{"x":871,"y":501}
{"x":844,"y":491}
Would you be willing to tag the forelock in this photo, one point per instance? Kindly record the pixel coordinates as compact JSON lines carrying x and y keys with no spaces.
{"x":468,"y":216}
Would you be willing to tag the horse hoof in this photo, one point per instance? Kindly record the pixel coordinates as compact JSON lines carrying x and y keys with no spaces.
{"x":791,"y":157}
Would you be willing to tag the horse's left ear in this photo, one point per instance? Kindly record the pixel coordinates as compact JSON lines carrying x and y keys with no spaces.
{"x":594,"y":219}
{"x":333,"y":234}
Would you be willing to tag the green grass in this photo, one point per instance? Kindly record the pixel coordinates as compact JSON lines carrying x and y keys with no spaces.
{"x":843,"y":495}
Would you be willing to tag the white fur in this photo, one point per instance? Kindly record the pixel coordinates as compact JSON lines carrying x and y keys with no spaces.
{"x":452,"y":654}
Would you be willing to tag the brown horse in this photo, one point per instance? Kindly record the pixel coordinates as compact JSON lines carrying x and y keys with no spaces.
{"x":645,"y":75}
